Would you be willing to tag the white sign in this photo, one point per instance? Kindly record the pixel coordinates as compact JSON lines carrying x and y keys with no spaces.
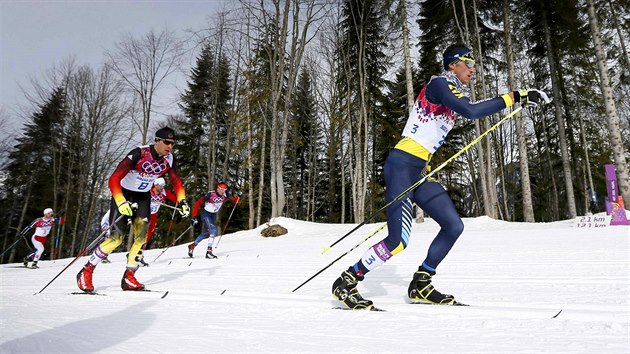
{"x":592,"y":221}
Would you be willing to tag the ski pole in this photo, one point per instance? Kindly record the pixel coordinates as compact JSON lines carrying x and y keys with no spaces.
{"x":415,"y":185}
{"x":180,"y":236}
{"x":170,"y":206}
{"x":9,"y":248}
{"x":93,"y":244}
{"x":57,"y":239}
{"x":227,"y":223}
{"x":338,"y":258}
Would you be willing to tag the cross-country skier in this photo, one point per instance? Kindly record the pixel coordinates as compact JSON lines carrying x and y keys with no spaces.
{"x":130,"y":184}
{"x":158,"y":195}
{"x":212,"y":202}
{"x":42,"y":229}
{"x":445,"y":97}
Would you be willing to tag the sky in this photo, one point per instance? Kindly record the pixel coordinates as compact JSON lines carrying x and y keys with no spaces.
{"x":532,"y":288}
{"x":35,"y":35}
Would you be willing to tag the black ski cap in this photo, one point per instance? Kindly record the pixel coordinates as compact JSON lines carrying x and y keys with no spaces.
{"x":165,"y":133}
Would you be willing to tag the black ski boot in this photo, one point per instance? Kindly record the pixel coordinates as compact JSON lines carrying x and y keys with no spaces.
{"x":421,"y":291}
{"x":34,"y":265}
{"x":25,"y":260}
{"x":210,"y":255}
{"x":345,"y":290}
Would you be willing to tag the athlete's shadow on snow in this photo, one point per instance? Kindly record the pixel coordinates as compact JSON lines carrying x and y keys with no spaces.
{"x":91,"y":334}
{"x":385,"y":279}
{"x":169,"y":276}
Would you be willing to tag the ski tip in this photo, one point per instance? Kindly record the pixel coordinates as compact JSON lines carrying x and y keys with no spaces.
{"x":326,"y":248}
{"x":557,"y":314}
{"x":163,"y":296}
{"x":169,"y":263}
{"x":223,"y":292}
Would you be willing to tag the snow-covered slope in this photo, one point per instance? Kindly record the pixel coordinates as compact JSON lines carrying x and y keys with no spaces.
{"x":516,"y":276}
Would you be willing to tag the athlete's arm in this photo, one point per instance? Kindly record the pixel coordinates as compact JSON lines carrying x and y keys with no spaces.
{"x":126,"y":165}
{"x":440,"y":91}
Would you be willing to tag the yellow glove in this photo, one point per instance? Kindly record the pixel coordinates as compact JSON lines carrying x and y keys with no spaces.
{"x":184,"y":209}
{"x":125,"y":208}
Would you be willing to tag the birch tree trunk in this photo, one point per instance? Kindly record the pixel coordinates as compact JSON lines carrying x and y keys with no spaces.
{"x":566,"y":166}
{"x":408,"y":77}
{"x":614,"y":128}
{"x":526,"y":191}
{"x":492,"y":204}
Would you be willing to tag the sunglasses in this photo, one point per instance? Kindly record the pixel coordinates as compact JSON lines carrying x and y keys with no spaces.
{"x":470,"y":63}
{"x":167,"y":142}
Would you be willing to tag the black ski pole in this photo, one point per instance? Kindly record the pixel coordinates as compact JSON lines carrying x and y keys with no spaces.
{"x":9,"y":248}
{"x":93,"y":244}
{"x":172,"y":244}
{"x":440,"y":167}
{"x":338,"y":258}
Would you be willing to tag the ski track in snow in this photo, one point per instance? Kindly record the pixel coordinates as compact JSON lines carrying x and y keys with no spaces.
{"x":515,"y":276}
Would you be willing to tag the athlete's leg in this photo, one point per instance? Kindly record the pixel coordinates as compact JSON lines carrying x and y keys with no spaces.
{"x":435,"y":201}
{"x":38,"y":242}
{"x":401,"y":170}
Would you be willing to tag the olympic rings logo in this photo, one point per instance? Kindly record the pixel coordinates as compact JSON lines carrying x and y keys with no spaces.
{"x":153,"y":167}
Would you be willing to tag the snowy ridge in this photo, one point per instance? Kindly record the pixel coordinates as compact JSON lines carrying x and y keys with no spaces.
{"x":515,"y":276}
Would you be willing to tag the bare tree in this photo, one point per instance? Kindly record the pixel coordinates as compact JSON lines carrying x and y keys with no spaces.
{"x":566,"y":165}
{"x":609,"y":103}
{"x":528,"y":209}
{"x":143,"y":64}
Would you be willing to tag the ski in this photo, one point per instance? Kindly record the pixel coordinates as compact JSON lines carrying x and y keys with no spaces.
{"x":84,"y":293}
{"x":165,"y":293}
{"x":373,"y":308}
{"x":456,"y":303}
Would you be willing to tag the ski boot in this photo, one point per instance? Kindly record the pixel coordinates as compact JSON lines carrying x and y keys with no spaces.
{"x":209,"y":254}
{"x":129,"y":281}
{"x":25,"y":260}
{"x":84,"y":278}
{"x":345,"y":290}
{"x":34,"y":265}
{"x":422,"y":292}
{"x":191,"y":248}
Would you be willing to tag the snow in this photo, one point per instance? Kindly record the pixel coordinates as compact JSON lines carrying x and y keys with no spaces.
{"x":516,"y":276}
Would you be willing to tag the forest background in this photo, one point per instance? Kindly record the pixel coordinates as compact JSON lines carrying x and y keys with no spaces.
{"x":296,"y":103}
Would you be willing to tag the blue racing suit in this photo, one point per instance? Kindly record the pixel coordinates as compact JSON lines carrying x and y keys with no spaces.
{"x":430,"y":121}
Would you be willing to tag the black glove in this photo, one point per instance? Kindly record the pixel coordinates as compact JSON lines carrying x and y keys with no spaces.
{"x":530,"y":97}
{"x":184,"y":209}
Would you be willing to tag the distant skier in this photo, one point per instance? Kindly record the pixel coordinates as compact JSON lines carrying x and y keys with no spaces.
{"x":42,"y":229}
{"x":158,"y":195}
{"x":212,"y":203}
{"x":434,"y":114}
{"x":130,"y":184}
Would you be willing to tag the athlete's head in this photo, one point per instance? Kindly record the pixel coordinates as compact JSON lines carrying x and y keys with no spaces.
{"x":164,"y":140}
{"x":221,"y":188}
{"x":159,"y":183}
{"x":48,"y":212}
{"x":460,"y":60}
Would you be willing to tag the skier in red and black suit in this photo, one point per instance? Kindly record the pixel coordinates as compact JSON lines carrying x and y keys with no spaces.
{"x":130,"y":184}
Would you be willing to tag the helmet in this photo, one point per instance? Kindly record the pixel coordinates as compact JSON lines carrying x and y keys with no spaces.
{"x":222,"y":186}
{"x":159,"y":182}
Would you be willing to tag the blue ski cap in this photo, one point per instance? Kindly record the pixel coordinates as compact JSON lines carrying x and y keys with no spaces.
{"x":452,"y":55}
